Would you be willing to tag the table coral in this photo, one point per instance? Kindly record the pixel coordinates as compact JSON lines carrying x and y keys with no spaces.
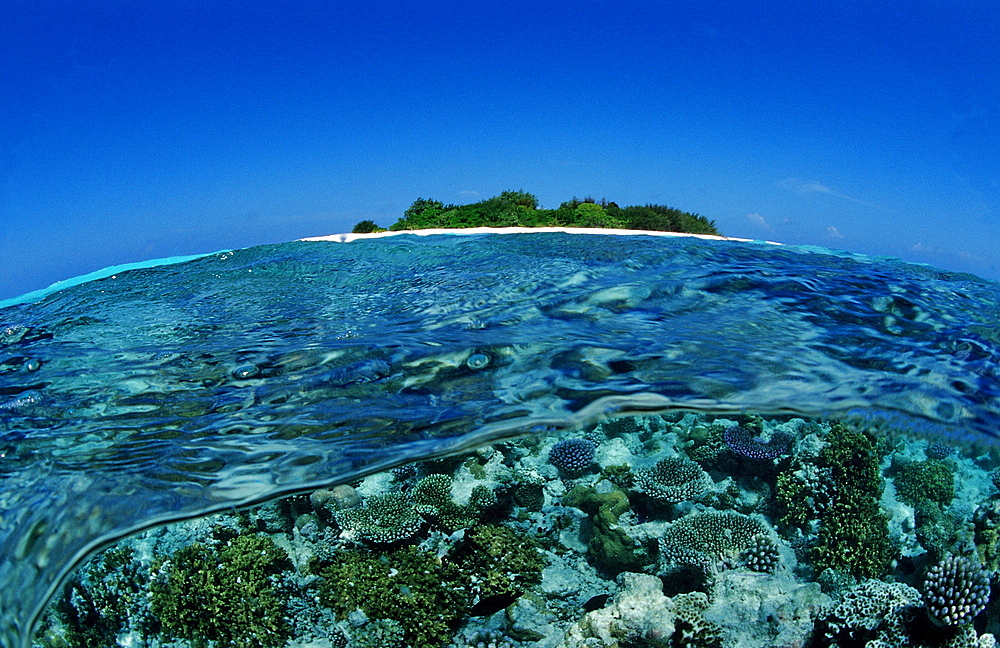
{"x":674,"y":479}
{"x":710,"y":539}
{"x":383,"y":518}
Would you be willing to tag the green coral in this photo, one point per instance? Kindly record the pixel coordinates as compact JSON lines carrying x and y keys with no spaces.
{"x":620,"y":475}
{"x":225,"y":595}
{"x":802,"y":494}
{"x":794,"y":496}
{"x":410,"y":586}
{"x":428,"y":595}
{"x":919,"y":481}
{"x":380,"y":633}
{"x":938,"y":530}
{"x":987,"y":533}
{"x":500,"y":561}
{"x":854,"y":534}
{"x":609,"y":545}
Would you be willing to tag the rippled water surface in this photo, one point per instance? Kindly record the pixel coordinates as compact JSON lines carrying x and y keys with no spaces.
{"x":170,"y":392}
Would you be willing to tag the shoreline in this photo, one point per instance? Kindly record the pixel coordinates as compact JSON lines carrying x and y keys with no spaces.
{"x":350,"y":236}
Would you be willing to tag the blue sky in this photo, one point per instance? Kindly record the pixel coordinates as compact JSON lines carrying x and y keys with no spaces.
{"x":137,"y":130}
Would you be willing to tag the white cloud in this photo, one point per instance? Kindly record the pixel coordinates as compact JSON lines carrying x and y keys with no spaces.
{"x":469,"y":192}
{"x":833,"y":232}
{"x":932,"y":251}
{"x":803,"y":187}
{"x":759,"y":221}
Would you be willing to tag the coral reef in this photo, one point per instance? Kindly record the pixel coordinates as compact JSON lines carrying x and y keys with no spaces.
{"x":762,"y":554}
{"x":384,"y":518}
{"x":744,"y":442}
{"x":95,"y":604}
{"x":854,"y":534}
{"x":593,"y":541}
{"x":711,"y":540}
{"x":920,"y":481}
{"x":609,"y":545}
{"x":674,"y":479}
{"x":432,"y":499}
{"x":225,"y":595}
{"x":873,"y":610}
{"x":572,"y":457}
{"x":956,"y":590}
{"x":638,"y":615}
{"x":409,"y":586}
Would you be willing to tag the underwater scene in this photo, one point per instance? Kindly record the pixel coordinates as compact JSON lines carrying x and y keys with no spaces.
{"x":503,"y":440}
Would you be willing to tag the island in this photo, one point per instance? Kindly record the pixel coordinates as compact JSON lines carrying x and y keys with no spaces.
{"x":520,"y":209}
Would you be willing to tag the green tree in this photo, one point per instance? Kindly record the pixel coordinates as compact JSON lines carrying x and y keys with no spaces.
{"x":366,"y":227}
{"x":422,"y":214}
{"x":520,"y":209}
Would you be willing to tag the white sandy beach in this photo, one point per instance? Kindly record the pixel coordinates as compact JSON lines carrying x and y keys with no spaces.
{"x":346,"y":238}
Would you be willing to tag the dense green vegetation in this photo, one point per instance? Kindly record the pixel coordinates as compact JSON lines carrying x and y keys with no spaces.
{"x":520,"y":209}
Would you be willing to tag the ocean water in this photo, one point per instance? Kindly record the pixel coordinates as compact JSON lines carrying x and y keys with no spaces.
{"x":169,"y":393}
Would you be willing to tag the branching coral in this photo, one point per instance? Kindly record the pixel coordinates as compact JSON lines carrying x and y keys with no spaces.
{"x":854,"y":534}
{"x":500,"y":561}
{"x":426,"y":594}
{"x":408,"y":586}
{"x":227,"y":596}
{"x":919,"y":481}
{"x":97,"y":601}
{"x":762,"y":554}
{"x":956,"y":590}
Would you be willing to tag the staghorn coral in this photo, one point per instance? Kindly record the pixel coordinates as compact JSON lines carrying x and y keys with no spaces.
{"x":674,"y":480}
{"x":383,"y":519}
{"x":956,"y":590}
{"x":572,"y":456}
{"x":711,"y":539}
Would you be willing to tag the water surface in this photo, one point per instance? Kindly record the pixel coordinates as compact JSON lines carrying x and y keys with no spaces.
{"x":174,"y":391}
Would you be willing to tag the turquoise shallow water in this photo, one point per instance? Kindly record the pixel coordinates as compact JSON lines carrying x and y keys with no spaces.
{"x":170,"y":392}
